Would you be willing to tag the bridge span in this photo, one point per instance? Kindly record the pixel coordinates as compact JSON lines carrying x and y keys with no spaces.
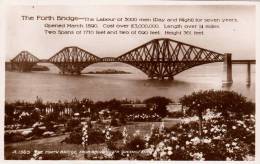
{"x":161,"y":58}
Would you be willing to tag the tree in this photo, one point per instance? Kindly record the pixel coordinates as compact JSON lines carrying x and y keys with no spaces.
{"x":228,"y":103}
{"x":114,"y":104}
{"x":9,"y":109}
{"x":158,"y":104}
{"x":197,"y":103}
{"x":39,"y":103}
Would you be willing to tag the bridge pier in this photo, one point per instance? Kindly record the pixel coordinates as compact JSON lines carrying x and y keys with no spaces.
{"x":170,"y":78}
{"x":227,"y":69}
{"x":248,"y":81}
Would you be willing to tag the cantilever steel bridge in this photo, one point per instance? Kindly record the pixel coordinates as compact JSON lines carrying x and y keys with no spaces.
{"x":159,"y":58}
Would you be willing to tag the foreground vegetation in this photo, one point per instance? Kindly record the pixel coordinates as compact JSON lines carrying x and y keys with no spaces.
{"x":213,"y":125}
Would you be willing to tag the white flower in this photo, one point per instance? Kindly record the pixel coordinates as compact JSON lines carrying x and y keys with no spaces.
{"x":155,"y":154}
{"x":169,"y":153}
{"x":195,"y":140}
{"x":187,"y":142}
{"x":227,"y":145}
{"x":234,"y":127}
{"x":161,"y":127}
{"x":163,"y":153}
{"x":234,"y":143}
{"x":205,"y":131}
{"x":169,"y":148}
{"x":197,"y":156}
{"x":177,"y":147}
{"x":207,"y":140}
{"x":216,"y":138}
{"x":189,"y":135}
{"x":228,"y":159}
{"x":230,"y":151}
{"x":161,"y":144}
{"x":137,"y":133}
{"x":173,"y":138}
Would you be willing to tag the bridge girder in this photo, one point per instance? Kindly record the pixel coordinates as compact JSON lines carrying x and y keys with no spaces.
{"x":159,"y":58}
{"x":24,"y":61}
{"x":162,"y":58}
{"x":73,"y":60}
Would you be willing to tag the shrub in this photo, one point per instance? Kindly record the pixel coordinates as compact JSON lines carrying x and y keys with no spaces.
{"x":136,"y":144}
{"x":26,"y":120}
{"x":72,"y":124}
{"x":114,"y":122}
{"x":122,"y":119}
{"x":37,"y":131}
{"x":159,"y":104}
{"x":175,"y":114}
{"x":218,"y":142}
{"x":116,"y":135}
{"x":13,"y":137}
{"x":50,"y":126}
{"x":50,"y":117}
{"x":96,"y":137}
{"x":143,"y":117}
{"x":75,"y":138}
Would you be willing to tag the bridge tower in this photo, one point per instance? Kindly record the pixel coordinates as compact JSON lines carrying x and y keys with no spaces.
{"x":227,"y":69}
{"x":164,"y":58}
{"x":24,"y":62}
{"x":72,"y":60}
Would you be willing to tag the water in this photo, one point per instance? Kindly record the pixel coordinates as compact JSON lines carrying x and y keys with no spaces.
{"x":51,"y":86}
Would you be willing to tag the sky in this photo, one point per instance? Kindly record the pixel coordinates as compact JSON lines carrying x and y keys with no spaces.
{"x":237,"y":38}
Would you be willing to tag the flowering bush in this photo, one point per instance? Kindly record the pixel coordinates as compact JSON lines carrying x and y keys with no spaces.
{"x":218,"y":142}
{"x":85,"y":135}
{"x":92,"y":136}
{"x":143,"y":117}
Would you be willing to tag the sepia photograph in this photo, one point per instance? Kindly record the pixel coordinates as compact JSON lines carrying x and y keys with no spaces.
{"x":146,"y":82}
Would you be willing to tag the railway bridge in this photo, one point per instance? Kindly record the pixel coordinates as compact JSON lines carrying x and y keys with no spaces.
{"x":161,"y":58}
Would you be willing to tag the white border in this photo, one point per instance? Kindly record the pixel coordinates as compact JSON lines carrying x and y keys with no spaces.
{"x":5,"y":3}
